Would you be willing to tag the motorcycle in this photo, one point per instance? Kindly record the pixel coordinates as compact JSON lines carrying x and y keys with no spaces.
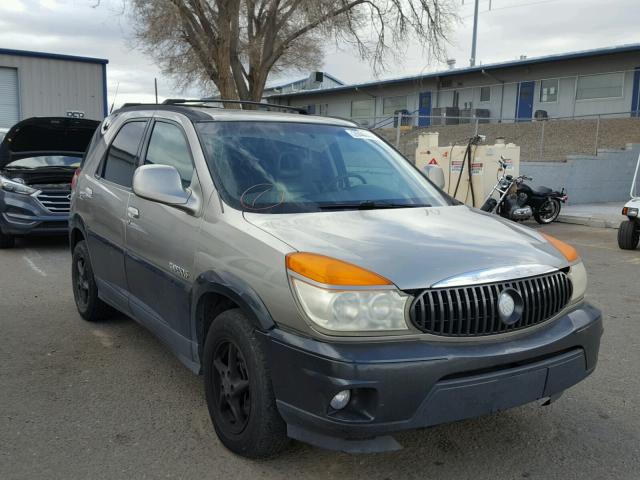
{"x":545,"y":202}
{"x":518,"y":201}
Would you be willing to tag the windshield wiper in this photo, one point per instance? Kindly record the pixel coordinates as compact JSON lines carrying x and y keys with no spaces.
{"x":371,"y":205}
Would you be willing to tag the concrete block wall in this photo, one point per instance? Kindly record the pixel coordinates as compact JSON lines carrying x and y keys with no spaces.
{"x":548,"y":141}
{"x":588,"y":179}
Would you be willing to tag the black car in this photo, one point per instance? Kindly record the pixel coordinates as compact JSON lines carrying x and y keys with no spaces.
{"x":38,"y":157}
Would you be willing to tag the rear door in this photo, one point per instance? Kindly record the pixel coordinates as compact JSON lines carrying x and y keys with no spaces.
{"x":107,"y":194}
{"x":161,"y":240}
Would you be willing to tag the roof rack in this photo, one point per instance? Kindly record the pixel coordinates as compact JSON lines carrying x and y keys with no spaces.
{"x":201,"y":101}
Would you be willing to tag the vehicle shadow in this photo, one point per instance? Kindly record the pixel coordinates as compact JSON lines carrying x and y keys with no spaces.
{"x":56,"y":242}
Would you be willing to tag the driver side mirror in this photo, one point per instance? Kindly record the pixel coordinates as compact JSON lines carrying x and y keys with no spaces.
{"x":162,"y":184}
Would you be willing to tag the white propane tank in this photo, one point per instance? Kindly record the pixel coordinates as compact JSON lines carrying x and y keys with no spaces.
{"x":484,"y":165}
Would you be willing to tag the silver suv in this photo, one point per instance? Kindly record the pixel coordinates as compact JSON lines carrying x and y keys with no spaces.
{"x":325,"y":289}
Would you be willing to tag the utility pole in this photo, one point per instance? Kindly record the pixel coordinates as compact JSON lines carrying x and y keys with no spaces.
{"x":472,"y":60}
{"x":155,"y":87}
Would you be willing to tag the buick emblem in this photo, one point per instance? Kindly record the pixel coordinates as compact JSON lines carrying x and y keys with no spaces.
{"x":510,"y":306}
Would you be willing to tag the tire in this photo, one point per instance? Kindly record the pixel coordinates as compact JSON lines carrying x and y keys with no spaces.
{"x":239,"y":393}
{"x":551,"y":210}
{"x":85,"y":290}
{"x":628,"y":235}
{"x":7,"y":241}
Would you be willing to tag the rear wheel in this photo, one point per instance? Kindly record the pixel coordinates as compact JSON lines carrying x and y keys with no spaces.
{"x":7,"y":241}
{"x":85,"y":290}
{"x":628,"y":235}
{"x":548,"y":211}
{"x":238,"y":388}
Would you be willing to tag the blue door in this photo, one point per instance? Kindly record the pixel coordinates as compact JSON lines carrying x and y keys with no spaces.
{"x":524,"y":107}
{"x":635,"y":94}
{"x":424,"y":109}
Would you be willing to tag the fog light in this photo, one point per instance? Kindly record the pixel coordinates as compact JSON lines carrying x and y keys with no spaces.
{"x":340,"y":400}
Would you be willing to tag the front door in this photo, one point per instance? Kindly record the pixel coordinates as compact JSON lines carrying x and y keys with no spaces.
{"x":161,"y":243}
{"x":106,"y":195}
{"x":424,"y":109}
{"x":635,"y":94}
{"x":524,"y":106}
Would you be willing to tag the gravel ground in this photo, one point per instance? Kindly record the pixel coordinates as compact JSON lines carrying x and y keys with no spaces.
{"x":83,"y":401}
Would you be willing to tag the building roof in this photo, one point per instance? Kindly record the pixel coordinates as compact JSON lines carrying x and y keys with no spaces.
{"x":52,"y":56}
{"x":283,"y":85}
{"x":479,"y":68}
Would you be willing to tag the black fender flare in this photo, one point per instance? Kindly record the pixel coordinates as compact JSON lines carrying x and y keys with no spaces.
{"x":236,"y":290}
{"x":76,"y":223}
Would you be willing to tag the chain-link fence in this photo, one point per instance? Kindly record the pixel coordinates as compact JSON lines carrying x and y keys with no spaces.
{"x":539,"y":140}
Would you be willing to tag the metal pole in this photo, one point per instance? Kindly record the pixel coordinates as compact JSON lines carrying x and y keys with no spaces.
{"x":597,"y":135}
{"x":542,"y":142}
{"x":155,"y":86}
{"x":398,"y":130}
{"x":476,"y":132}
{"x":472,"y":61}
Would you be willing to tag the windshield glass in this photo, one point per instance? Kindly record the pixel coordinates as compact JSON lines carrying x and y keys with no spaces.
{"x":274,"y":167}
{"x":46,"y":161}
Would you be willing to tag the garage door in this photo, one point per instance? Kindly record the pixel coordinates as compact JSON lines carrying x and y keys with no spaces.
{"x":9,"y":111}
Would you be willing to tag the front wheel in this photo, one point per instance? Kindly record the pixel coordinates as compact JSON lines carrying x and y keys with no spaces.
{"x":628,"y":235}
{"x":238,"y":388}
{"x":548,"y":211}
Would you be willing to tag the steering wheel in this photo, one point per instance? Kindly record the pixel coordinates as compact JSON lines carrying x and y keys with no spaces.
{"x":342,"y":181}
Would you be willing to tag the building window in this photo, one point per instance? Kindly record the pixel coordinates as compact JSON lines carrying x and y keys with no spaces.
{"x":392,"y":104}
{"x":485,"y":94}
{"x":605,"y":85}
{"x":549,"y":90}
{"x":362,"y":109}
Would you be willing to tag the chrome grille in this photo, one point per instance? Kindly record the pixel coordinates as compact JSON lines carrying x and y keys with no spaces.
{"x":472,"y":311}
{"x":56,"y":201}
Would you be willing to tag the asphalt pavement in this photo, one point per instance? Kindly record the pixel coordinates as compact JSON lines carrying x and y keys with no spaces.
{"x":108,"y":401}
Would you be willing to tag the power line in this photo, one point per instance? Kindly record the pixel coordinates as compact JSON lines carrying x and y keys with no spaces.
{"x":493,"y":9}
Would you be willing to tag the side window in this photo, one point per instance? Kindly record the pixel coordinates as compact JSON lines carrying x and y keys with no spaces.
{"x":121,"y":157}
{"x":168,"y":146}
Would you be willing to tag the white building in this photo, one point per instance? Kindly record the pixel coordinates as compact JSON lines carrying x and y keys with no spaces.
{"x":588,"y":83}
{"x":45,"y":84}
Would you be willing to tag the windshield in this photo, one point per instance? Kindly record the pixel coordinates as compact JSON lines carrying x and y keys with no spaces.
{"x":46,"y":161}
{"x":274,"y":167}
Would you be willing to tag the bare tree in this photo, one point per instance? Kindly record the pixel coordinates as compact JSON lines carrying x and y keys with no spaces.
{"x":236,"y":44}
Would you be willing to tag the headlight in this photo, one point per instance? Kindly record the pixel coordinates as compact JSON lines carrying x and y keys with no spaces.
{"x":15,"y":187}
{"x":352,"y":310}
{"x":578,"y":277}
{"x":342,"y":297}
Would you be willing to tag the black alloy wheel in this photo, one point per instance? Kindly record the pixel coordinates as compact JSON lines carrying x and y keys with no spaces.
{"x":80,"y":282}
{"x":231,"y":380}
{"x":85,"y":289}
{"x":238,"y":388}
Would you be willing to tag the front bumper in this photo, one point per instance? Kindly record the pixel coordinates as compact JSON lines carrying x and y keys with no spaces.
{"x":414,"y":384}
{"x":24,"y":215}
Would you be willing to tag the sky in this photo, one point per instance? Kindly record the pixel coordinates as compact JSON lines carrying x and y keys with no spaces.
{"x":99,"y":28}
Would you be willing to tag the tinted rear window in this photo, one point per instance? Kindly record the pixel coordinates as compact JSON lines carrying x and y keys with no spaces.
{"x":122,"y":157}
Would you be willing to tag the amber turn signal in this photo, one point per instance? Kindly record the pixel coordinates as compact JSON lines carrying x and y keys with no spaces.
{"x":570,"y":253}
{"x":330,"y":271}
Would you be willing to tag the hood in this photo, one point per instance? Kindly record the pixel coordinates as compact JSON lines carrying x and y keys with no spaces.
{"x":414,"y":247}
{"x":46,"y":136}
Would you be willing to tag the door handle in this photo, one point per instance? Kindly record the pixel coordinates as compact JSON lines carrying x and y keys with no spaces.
{"x":86,"y":193}
{"x":133,"y":212}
